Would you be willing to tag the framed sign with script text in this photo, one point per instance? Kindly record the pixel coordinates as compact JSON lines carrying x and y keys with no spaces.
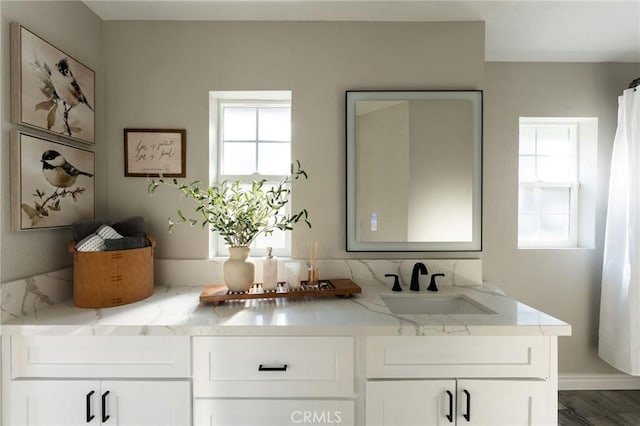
{"x":155,"y":152}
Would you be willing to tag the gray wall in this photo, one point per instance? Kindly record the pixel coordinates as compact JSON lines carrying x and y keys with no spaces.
{"x":73,"y":28}
{"x":158,"y":74}
{"x":565,"y":282}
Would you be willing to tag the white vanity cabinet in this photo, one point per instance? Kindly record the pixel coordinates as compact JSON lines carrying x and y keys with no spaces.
{"x":89,"y":380}
{"x":362,"y":367}
{"x":456,"y":402}
{"x":273,"y":381}
{"x":409,"y":403}
{"x":93,"y":402}
{"x":461,"y":380}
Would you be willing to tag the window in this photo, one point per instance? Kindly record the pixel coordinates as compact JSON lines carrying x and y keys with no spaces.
{"x":556,"y":202}
{"x":251,"y":140}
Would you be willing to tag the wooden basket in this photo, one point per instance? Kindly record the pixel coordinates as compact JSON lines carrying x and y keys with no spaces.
{"x":111,"y":278}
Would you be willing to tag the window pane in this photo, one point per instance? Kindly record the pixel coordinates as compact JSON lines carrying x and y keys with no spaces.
{"x":275,"y":124}
{"x":239,"y":158}
{"x":555,"y":200}
{"x":527,"y":227}
{"x":527,"y":168}
{"x":554,"y":147}
{"x":527,"y":140}
{"x":551,"y":135}
{"x":553,"y":169}
{"x":275,"y":240}
{"x":274,"y":158}
{"x":528,"y":200}
{"x":239,"y":124}
{"x":554,"y":227}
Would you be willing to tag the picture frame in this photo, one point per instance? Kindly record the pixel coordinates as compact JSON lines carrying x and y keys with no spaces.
{"x":155,"y":152}
{"x":52,"y":184}
{"x":50,"y":90}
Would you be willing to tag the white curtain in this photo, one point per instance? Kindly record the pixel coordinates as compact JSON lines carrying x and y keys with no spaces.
{"x":619,"y":342}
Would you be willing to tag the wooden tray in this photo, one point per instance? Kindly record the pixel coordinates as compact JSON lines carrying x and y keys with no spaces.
{"x":217,"y":294}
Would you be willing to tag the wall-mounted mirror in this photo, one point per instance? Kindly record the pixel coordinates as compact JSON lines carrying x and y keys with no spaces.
{"x":414,"y":170}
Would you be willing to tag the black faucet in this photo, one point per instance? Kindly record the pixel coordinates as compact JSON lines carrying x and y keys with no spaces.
{"x":418,"y":269}
{"x":432,"y":284}
{"x":396,"y":284}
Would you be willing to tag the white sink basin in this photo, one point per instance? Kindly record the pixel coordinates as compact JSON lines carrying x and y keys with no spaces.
{"x":434,"y":305}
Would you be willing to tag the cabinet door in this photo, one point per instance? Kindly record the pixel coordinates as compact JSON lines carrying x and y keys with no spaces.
{"x":74,"y":402}
{"x":147,"y":403}
{"x":504,"y":403}
{"x":410,"y":403}
{"x":52,"y":403}
{"x":272,"y":412}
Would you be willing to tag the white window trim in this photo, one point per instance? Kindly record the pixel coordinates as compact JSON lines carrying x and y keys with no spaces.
{"x":217,"y":246}
{"x":582,"y":227}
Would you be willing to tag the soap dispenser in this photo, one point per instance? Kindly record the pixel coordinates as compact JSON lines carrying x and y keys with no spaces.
{"x":269,"y":271}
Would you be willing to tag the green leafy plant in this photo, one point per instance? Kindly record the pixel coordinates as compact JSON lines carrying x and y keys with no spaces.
{"x":236,"y":213}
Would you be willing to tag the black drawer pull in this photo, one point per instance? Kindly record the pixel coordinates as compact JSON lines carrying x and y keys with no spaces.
{"x":105,"y":416}
{"x":276,"y":367}
{"x":467,"y":415}
{"x":90,"y":416}
{"x":450,"y":415}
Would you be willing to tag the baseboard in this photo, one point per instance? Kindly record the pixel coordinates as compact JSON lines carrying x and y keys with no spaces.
{"x":598,"y":382}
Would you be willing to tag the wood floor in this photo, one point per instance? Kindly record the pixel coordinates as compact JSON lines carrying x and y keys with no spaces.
{"x":599,"y":408}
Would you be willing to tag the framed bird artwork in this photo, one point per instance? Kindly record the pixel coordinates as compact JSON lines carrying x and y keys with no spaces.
{"x":50,"y":90}
{"x":52,"y":184}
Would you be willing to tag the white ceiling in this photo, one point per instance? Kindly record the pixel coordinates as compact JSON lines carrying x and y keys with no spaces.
{"x":516,"y":30}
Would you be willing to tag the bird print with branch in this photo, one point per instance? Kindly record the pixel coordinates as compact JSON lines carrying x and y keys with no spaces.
{"x":57,"y":183}
{"x":56,"y":91}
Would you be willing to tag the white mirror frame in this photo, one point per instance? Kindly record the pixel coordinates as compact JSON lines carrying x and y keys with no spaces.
{"x":353,"y":245}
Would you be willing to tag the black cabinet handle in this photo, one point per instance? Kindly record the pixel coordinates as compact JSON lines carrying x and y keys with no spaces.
{"x":263,"y":367}
{"x":105,"y":416}
{"x":90,"y":416}
{"x":450,"y":415}
{"x":467,"y":415}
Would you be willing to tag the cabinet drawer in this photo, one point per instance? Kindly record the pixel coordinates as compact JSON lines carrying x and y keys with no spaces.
{"x":273,"y":366}
{"x":458,"y":356}
{"x":100,"y":356}
{"x":233,"y":412}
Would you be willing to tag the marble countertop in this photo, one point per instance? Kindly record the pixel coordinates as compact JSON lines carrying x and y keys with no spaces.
{"x":176,"y":310}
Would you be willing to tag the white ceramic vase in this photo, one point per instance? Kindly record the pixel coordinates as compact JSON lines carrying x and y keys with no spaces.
{"x":239,"y":272}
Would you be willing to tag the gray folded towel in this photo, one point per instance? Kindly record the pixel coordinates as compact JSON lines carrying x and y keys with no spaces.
{"x":125,"y":243}
{"x":134,"y":226}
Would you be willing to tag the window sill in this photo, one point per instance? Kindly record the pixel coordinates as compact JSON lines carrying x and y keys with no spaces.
{"x":554,"y":248}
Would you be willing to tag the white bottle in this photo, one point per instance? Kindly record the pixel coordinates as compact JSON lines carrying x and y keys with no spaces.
{"x":269,"y":271}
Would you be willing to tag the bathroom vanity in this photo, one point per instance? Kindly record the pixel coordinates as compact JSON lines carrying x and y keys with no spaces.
{"x":169,"y":360}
